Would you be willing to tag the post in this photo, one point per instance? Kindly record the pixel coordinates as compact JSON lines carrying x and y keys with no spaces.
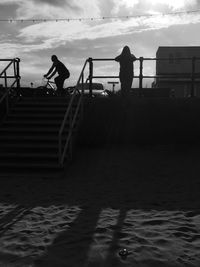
{"x":5,"y":80}
{"x":141,"y":75}
{"x":193,"y":76}
{"x":82,"y":92}
{"x":59,"y":148}
{"x":90,"y":75}
{"x":17,"y":60}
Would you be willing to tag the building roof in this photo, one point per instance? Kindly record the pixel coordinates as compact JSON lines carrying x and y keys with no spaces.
{"x":179,"y":48}
{"x":188,"y":51}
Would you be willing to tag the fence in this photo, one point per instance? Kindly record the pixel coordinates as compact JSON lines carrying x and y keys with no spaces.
{"x":9,"y":77}
{"x":191,"y":76}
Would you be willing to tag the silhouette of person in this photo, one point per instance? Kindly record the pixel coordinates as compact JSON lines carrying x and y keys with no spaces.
{"x":63,"y":73}
{"x":126,"y":60}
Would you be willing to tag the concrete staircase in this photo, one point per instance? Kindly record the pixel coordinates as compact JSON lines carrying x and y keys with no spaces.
{"x":29,"y":134}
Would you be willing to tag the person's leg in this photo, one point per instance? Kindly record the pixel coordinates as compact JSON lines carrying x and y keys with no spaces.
{"x":59,"y":81}
{"x":124,"y":88}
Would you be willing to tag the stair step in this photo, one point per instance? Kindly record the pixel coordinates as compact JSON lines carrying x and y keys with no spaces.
{"x":33,"y":147}
{"x":25,"y":130}
{"x":43,"y":136}
{"x":26,"y":155}
{"x":35,"y":116}
{"x":40,"y":110}
{"x":28,"y":165}
{"x":29,"y":134}
{"x":32,"y":138}
{"x":34,"y":123}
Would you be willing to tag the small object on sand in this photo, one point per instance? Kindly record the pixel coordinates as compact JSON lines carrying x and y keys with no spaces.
{"x":124,"y":253}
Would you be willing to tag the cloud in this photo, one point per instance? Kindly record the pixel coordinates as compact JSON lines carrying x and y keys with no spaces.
{"x":132,"y":7}
{"x":53,"y":2}
{"x":53,"y":8}
{"x":62,"y":32}
{"x":175,"y":5}
{"x":127,"y":4}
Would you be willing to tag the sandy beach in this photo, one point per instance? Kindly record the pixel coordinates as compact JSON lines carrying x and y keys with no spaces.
{"x":144,"y":199}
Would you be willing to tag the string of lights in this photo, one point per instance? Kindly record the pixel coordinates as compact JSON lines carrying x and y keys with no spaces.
{"x":102,"y":18}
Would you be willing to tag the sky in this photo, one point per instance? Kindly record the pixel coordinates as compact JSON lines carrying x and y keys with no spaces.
{"x":76,"y":40}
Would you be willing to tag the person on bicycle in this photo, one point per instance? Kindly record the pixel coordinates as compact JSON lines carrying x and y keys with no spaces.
{"x":63,"y":73}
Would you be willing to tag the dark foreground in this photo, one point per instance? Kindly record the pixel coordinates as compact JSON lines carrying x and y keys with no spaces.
{"x":144,"y":198}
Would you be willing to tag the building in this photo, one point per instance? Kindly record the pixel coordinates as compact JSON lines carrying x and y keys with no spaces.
{"x":178,"y":68}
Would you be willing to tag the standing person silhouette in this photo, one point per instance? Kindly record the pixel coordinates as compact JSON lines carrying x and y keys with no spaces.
{"x":126,"y":60}
{"x":63,"y":73}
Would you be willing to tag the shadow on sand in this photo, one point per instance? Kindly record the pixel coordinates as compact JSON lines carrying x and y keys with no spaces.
{"x":124,"y":178}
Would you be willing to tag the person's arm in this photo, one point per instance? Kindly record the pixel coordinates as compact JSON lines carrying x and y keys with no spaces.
{"x":133,"y":57}
{"x":117,"y":58}
{"x":53,"y":73}
{"x":49,"y":72}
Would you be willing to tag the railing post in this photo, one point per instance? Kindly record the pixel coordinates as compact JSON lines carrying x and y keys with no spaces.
{"x":7,"y":104}
{"x":5,"y":80}
{"x":193,"y":76}
{"x":17,"y":60}
{"x":90,"y":75}
{"x":82,"y":92}
{"x":141,"y":59}
{"x":6,"y":87}
{"x":59,"y":148}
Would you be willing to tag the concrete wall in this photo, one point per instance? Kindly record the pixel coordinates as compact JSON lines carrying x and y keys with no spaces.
{"x":140,"y":121}
{"x":174,"y":65}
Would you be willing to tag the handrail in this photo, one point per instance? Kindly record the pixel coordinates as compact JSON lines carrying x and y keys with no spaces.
{"x":62,"y":149}
{"x":72,"y":117}
{"x":16,"y":76}
{"x":193,"y":76}
{"x":6,"y":68}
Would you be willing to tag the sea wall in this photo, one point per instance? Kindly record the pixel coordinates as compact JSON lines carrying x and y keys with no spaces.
{"x":140,"y":121}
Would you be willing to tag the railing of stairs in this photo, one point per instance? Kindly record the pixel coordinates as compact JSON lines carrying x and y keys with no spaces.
{"x":79,"y":90}
{"x":74,"y":107}
{"x":9,"y":77}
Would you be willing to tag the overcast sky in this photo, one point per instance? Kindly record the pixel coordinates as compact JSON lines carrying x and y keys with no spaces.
{"x":74,"y":41}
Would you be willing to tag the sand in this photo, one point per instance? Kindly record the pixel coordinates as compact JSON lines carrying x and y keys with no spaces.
{"x":144,"y":199}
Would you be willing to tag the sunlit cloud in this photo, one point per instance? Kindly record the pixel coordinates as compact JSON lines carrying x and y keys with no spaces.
{"x":53,"y":9}
{"x":144,"y":6}
{"x":175,"y":5}
{"x":61,"y":32}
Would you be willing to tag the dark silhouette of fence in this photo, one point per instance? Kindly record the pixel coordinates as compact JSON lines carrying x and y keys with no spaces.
{"x":192,"y":77}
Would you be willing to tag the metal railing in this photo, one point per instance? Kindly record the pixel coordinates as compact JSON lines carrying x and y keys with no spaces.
{"x":13,"y":79}
{"x":192,"y":77}
{"x":71,"y":115}
{"x":74,"y":106}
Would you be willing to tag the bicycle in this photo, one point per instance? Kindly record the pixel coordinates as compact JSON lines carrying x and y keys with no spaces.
{"x":48,"y":88}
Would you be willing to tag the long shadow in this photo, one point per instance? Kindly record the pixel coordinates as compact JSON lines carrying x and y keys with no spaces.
{"x":142,"y":178}
{"x":74,"y":241}
{"x":7,"y":221}
{"x":110,"y":260}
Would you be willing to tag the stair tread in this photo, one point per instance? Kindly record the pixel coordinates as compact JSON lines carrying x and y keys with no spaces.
{"x":28,"y":154}
{"x":40,"y":109}
{"x":29,"y":145}
{"x":29,"y":137}
{"x":35,"y":115}
{"x":29,"y":165}
{"x":29,"y":133}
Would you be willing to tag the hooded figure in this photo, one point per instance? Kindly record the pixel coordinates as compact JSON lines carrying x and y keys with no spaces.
{"x":126,"y":74}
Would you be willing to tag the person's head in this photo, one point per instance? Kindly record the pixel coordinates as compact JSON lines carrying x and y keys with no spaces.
{"x":126,"y":50}
{"x":54,"y":58}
